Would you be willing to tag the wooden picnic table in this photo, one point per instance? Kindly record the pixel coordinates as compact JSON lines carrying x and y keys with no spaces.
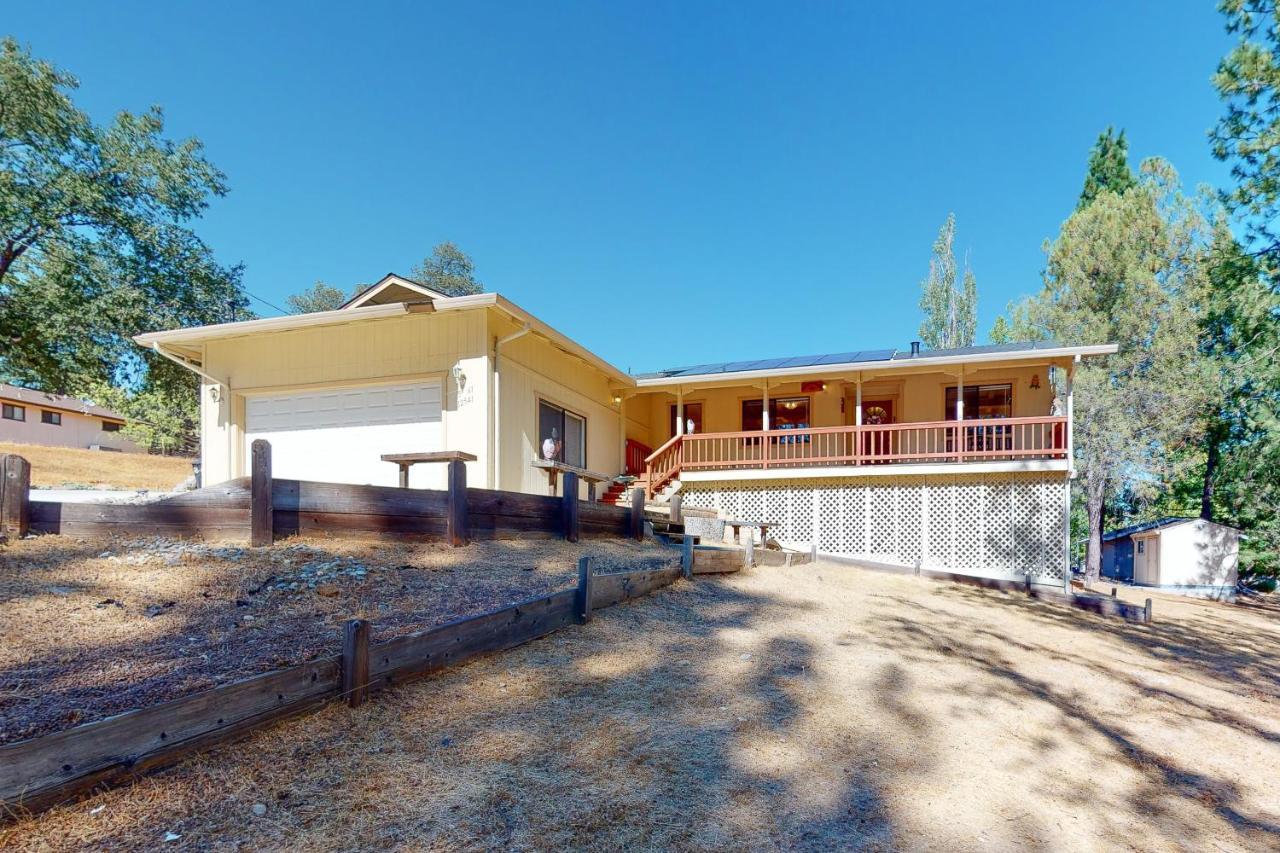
{"x":738,"y":525}
{"x":555,"y":468}
{"x":408,"y":460}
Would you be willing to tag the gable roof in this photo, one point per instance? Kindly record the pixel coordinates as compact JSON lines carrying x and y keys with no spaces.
{"x":391,"y":288}
{"x":1158,"y":524}
{"x":60,"y":402}
{"x":870,"y":359}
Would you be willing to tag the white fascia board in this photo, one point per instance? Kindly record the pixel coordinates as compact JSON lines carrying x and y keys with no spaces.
{"x":883,"y":366}
{"x":523,"y":317}
{"x":196,"y":334}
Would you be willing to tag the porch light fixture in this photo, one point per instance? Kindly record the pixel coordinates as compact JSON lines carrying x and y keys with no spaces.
{"x":1035,"y":381}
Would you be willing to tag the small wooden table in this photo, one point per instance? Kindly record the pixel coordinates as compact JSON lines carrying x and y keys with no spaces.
{"x":554,"y":469}
{"x":408,"y":460}
{"x":738,"y":525}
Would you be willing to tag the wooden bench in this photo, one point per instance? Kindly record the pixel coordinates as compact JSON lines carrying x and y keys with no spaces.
{"x":738,"y":525}
{"x":408,"y":460}
{"x":555,"y":468}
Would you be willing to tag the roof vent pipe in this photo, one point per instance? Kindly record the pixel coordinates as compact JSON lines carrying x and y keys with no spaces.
{"x":915,"y":348}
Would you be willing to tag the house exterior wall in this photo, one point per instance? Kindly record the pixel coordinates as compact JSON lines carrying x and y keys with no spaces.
{"x":76,"y":430}
{"x":917,"y":397}
{"x":530,"y":369}
{"x":1000,"y":525}
{"x":1198,"y":553}
{"x":396,"y":350}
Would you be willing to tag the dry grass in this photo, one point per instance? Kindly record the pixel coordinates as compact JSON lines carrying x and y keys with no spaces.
{"x":56,"y":467}
{"x":815,"y":708}
{"x":90,"y":628}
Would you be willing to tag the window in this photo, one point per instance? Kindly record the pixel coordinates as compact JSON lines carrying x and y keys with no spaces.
{"x":562,"y":435}
{"x":692,"y":413}
{"x":784,"y":413}
{"x":1142,"y":546}
{"x":14,"y":413}
{"x":110,"y":426}
{"x":51,"y":418}
{"x":981,"y":402}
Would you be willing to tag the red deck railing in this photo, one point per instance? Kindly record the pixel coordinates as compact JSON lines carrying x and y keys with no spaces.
{"x":882,"y":444}
{"x":636,"y":455}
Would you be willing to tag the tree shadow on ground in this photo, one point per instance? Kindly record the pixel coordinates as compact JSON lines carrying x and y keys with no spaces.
{"x":981,"y":649}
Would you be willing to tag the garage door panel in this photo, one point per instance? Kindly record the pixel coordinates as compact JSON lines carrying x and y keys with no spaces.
{"x":339,"y":435}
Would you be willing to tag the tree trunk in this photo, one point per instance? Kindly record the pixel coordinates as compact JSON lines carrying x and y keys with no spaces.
{"x":1095,"y":493}
{"x":1213,"y":443}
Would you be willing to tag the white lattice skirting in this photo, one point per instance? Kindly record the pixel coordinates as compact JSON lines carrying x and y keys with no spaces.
{"x":991,"y":525}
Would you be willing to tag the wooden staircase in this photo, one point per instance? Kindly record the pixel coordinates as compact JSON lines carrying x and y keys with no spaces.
{"x":619,"y":494}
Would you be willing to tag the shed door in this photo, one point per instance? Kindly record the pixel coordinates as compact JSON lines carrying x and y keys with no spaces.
{"x":1146,"y":560}
{"x":339,"y":435}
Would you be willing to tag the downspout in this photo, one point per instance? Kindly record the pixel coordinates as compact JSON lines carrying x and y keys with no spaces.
{"x":495,"y":446}
{"x":182,"y":362}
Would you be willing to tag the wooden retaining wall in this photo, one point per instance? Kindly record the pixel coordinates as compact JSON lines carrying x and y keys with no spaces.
{"x":261,"y":508}
{"x":39,"y":773}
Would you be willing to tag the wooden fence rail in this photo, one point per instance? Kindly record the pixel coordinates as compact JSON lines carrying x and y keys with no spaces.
{"x":41,"y":772}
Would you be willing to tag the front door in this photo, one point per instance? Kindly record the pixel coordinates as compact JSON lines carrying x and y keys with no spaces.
{"x":877,"y":442}
{"x":692,"y":418}
{"x":1146,"y":560}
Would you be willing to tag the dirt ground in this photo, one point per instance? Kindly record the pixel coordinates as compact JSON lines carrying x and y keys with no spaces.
{"x":59,"y":467}
{"x":89,"y":628}
{"x":814,"y":708}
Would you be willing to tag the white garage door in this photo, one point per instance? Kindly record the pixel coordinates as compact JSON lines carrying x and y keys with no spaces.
{"x":339,"y":435}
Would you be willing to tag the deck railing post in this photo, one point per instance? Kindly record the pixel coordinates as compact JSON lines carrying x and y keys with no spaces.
{"x":15,"y":496}
{"x":261,"y":509}
{"x":355,"y":661}
{"x":456,"y":522}
{"x":637,"y":514}
{"x":582,"y":598}
{"x":569,"y":506}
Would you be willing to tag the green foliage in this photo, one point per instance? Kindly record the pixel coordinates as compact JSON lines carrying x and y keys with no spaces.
{"x":1108,"y":168}
{"x":448,"y":270}
{"x":950,"y":313}
{"x":317,"y":297}
{"x":1248,"y":135}
{"x":159,"y":420}
{"x":94,"y":246}
{"x":1129,"y":269}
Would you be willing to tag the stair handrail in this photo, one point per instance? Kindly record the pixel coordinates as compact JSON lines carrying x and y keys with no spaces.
{"x":651,"y":481}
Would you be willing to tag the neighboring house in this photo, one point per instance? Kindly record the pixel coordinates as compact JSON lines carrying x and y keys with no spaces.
{"x":34,"y":417}
{"x":873,"y":454}
{"x":1184,"y":555}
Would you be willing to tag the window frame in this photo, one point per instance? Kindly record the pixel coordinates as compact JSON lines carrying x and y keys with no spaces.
{"x":50,"y":417}
{"x":111,"y":426}
{"x":688,"y":404}
{"x":949,"y":407}
{"x":564,"y":411}
{"x":13,"y":412}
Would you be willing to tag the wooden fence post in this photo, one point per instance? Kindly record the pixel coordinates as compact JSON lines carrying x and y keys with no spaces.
{"x":569,"y":506}
{"x":749,"y":556}
{"x":677,"y":509}
{"x":637,"y":514}
{"x":355,"y":662}
{"x":686,"y":557}
{"x":15,"y":496}
{"x":1146,"y":611}
{"x":582,"y":600}
{"x":456,"y":523}
{"x":261,"y":509}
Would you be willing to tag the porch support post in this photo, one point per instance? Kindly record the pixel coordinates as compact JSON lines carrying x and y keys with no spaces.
{"x":680,"y":410}
{"x":622,"y":432}
{"x":857,"y":422}
{"x":960,"y":414}
{"x":857,"y":406}
{"x":1071,"y":419}
{"x":764,"y":413}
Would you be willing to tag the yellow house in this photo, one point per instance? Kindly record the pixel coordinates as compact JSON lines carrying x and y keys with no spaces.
{"x":958,"y":459}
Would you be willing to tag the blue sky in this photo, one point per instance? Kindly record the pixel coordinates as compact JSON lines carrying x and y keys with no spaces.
{"x":777,"y":170}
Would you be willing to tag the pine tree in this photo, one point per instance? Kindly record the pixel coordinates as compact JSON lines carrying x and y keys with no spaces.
{"x":1108,"y":168}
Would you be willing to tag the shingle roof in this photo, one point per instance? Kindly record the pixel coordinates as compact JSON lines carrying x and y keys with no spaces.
{"x":62,"y":402}
{"x":840,"y":358}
